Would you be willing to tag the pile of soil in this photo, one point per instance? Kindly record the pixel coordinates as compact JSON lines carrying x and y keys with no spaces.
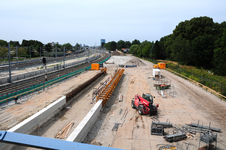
{"x":135,"y":61}
{"x":115,"y":53}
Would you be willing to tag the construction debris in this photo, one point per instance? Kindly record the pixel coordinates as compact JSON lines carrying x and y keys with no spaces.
{"x":125,"y":113}
{"x":120,"y":111}
{"x":208,"y":137}
{"x":164,"y":124}
{"x":204,"y":127}
{"x":194,"y":129}
{"x":166,"y":147}
{"x":157,"y":130}
{"x":64,"y":132}
{"x":154,"y":118}
{"x":175,"y":137}
{"x":120,"y":97}
{"x":115,"y":128}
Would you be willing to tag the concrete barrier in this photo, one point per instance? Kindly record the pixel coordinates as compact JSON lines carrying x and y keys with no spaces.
{"x":81,"y":131}
{"x":32,"y":123}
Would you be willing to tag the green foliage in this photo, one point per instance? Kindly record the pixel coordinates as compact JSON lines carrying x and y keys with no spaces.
{"x":3,"y":43}
{"x":146,"y":50}
{"x":220,"y":55}
{"x":14,"y":43}
{"x":3,"y":51}
{"x":77,"y":46}
{"x":67,"y":46}
{"x":127,"y":44}
{"x":121,"y":44}
{"x":217,"y":83}
{"x":135,"y":42}
{"x":111,"y":45}
{"x":48,"y":47}
{"x":133,"y":49}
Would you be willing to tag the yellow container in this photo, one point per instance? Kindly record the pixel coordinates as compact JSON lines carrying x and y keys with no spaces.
{"x":155,"y":66}
{"x":161,"y":65}
{"x":95,"y":66}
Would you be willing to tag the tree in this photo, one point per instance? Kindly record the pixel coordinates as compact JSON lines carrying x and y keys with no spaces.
{"x":68,"y":46}
{"x":180,"y":49}
{"x":48,"y":47}
{"x":14,"y":43}
{"x":25,"y":43}
{"x":219,"y":59}
{"x":77,"y":46}
{"x":111,"y":45}
{"x":127,"y":44}
{"x":3,"y":43}
{"x":135,"y":42}
{"x":139,"y":52}
{"x":133,"y":49}
{"x":121,"y":44}
{"x":147,"y":49}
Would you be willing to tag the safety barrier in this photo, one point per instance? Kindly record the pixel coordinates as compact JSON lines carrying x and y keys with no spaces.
{"x":108,"y":90}
{"x":42,"y":86}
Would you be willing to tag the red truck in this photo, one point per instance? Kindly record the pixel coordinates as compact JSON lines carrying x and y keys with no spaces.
{"x":144,"y":104}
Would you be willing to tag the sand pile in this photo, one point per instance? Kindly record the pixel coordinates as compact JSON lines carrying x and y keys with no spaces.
{"x":115,"y":53}
{"x":135,"y":61}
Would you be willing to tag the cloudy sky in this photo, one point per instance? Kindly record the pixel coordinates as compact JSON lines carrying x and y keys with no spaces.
{"x":88,"y":21}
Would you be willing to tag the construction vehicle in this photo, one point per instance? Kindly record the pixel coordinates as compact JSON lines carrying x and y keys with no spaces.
{"x":144,"y":104}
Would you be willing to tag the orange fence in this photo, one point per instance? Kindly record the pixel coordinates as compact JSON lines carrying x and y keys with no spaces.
{"x":109,"y":88}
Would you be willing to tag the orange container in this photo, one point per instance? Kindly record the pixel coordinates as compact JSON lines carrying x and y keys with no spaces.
{"x":155,"y":66}
{"x":162,"y":65}
{"x":95,"y":66}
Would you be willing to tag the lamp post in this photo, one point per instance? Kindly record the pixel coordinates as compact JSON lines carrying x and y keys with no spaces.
{"x":9,"y":63}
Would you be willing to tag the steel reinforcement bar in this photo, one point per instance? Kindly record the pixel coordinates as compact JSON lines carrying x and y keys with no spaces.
{"x":108,"y":90}
{"x":84,"y":85}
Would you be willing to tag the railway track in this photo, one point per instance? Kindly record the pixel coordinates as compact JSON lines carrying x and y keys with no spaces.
{"x":41,"y":78}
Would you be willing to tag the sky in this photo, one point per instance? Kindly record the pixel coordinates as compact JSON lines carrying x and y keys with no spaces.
{"x":88,"y":21}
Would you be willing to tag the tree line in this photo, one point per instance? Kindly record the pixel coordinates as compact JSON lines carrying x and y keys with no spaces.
{"x":198,"y":42}
{"x":37,"y":45}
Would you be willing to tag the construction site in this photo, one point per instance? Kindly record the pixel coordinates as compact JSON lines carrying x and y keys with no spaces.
{"x":110,"y":101}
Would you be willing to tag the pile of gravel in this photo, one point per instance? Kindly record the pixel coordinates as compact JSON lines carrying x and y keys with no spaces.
{"x":135,"y":61}
{"x":115,"y":53}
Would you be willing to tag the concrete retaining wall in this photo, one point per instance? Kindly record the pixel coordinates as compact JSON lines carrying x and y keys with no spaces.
{"x":32,"y":123}
{"x":81,"y":131}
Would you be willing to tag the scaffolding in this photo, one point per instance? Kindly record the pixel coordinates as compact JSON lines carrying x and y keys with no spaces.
{"x":164,"y":87}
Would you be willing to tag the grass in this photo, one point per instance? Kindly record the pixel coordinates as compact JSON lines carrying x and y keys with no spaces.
{"x":205,"y":77}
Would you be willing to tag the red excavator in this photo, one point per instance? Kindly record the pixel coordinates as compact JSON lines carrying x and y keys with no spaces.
{"x":144,"y":104}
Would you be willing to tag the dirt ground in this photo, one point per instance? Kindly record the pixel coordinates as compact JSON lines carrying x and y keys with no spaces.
{"x":190,"y":104}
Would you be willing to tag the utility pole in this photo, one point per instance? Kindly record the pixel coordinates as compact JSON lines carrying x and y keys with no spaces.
{"x":40,"y":52}
{"x":64,"y":57}
{"x":56,"y":52}
{"x":16,"y":57}
{"x":9,"y":63}
{"x":30,"y":52}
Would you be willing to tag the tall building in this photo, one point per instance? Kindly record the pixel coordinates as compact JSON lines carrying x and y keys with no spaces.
{"x":102,"y":42}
